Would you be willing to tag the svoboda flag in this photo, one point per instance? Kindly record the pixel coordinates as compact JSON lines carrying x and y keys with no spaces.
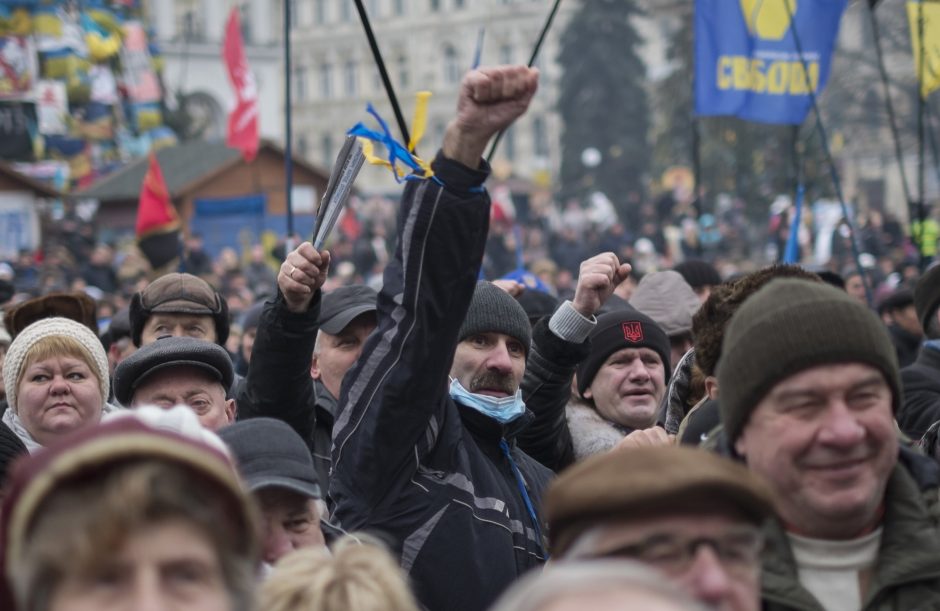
{"x":931,"y":52}
{"x":746,"y":60}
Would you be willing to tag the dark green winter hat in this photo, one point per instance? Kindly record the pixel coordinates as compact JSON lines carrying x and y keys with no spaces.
{"x":790,"y":326}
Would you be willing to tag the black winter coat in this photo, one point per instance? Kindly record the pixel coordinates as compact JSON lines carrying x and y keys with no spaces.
{"x":921,"y":382}
{"x":278,"y":383}
{"x":434,"y":478}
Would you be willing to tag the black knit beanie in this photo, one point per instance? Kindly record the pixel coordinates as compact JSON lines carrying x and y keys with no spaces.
{"x":927,"y":295}
{"x":623,"y":328}
{"x":699,"y":273}
{"x":493,"y":310}
{"x":790,"y":326}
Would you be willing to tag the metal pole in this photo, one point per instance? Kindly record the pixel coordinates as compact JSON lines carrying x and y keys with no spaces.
{"x":921,"y":107}
{"x":288,"y":131}
{"x":833,"y":172}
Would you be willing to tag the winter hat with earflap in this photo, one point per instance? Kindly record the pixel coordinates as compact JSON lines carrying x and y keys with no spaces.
{"x":493,"y":310}
{"x":19,"y":350}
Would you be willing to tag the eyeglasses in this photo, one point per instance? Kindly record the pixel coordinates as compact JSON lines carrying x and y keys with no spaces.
{"x":738,"y":550}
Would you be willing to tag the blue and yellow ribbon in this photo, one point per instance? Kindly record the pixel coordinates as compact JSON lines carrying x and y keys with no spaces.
{"x":397,"y":152}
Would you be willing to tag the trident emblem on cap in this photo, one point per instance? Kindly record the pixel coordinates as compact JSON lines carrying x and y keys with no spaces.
{"x":633,"y":331}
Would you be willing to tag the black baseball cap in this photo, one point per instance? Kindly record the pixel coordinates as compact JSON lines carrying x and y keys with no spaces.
{"x":340,"y":306}
{"x":270,"y":454}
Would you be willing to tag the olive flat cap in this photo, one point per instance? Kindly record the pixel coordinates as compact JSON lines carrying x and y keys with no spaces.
{"x":649,"y":481}
{"x":166,"y":353}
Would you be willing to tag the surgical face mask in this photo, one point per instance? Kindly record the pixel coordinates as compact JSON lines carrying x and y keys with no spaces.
{"x":501,"y":409}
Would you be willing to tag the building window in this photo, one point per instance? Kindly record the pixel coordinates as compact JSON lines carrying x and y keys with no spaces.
{"x":345,"y":10}
{"x":326,"y":81}
{"x":399,"y":7}
{"x":509,"y":144}
{"x":403,"y":71}
{"x":294,"y":6}
{"x":191,"y":29}
{"x":302,"y":147}
{"x":435,"y":5}
{"x":349,"y":78}
{"x":326,"y":150}
{"x":319,"y":11}
{"x":439,"y":129}
{"x":300,"y":83}
{"x":505,"y":54}
{"x":539,"y":137}
{"x":244,"y":14}
{"x":451,"y":65}
{"x":374,"y":8}
{"x":459,"y":3}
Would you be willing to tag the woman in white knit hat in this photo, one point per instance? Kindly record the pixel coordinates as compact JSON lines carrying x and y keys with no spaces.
{"x":56,"y":377}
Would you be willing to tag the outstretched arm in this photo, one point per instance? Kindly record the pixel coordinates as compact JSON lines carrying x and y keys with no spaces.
{"x":397,"y":389}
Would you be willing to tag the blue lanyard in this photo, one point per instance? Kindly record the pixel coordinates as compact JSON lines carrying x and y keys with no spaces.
{"x":525,"y":496}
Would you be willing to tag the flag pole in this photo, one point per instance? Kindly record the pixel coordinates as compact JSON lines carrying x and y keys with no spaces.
{"x":833,"y":172}
{"x":532,"y":58}
{"x":288,"y":134}
{"x":921,"y":107}
{"x":892,"y":118}
{"x":383,"y":73}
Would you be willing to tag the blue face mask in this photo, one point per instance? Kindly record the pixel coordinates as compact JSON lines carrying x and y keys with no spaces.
{"x":501,"y":409}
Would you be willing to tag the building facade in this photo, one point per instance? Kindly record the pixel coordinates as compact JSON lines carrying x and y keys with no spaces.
{"x":190,"y":34}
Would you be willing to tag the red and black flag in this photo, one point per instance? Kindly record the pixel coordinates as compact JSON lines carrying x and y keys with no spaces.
{"x":158,"y":225}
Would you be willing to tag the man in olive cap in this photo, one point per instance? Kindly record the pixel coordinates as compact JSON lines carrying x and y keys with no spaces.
{"x":694,"y":516}
{"x":809,"y":387}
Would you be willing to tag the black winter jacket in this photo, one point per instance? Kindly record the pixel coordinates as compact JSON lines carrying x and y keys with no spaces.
{"x":278,"y":383}
{"x":434,"y":478}
{"x":921,"y":382}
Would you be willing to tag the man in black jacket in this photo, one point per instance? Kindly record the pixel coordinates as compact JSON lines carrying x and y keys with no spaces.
{"x":921,"y":380}
{"x":424,"y":446}
{"x":283,"y":381}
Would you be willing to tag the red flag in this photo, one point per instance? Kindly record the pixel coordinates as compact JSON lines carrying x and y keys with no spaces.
{"x":158,"y":224}
{"x":243,"y":121}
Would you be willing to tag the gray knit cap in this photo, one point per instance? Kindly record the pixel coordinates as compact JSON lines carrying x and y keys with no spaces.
{"x":494,"y":310}
{"x":790,"y":326}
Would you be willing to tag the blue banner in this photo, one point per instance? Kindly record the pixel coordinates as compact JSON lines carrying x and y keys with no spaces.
{"x":746,"y":60}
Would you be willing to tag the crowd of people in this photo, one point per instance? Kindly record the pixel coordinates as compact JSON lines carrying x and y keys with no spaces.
{"x":671,"y":437}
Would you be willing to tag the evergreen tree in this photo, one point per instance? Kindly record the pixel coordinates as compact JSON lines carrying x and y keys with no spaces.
{"x":603,"y":104}
{"x":753,"y":161}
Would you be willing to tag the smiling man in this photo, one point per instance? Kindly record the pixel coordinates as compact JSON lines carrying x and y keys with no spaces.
{"x":809,"y":388}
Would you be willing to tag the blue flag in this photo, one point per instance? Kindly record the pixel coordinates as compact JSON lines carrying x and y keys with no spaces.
{"x":746,"y":60}
{"x":791,"y":255}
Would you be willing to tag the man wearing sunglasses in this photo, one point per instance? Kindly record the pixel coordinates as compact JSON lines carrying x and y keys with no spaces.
{"x":694,"y":516}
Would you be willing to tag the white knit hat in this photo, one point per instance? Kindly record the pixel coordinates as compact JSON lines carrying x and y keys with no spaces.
{"x":49,"y":327}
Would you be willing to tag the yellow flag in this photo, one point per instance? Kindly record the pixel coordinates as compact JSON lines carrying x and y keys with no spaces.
{"x":931,"y":52}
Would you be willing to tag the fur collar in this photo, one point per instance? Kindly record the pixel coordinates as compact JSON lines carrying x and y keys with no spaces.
{"x":590,"y":433}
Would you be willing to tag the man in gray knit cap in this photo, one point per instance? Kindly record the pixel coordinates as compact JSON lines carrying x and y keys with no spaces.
{"x":809,"y":389}
{"x":424,"y":444}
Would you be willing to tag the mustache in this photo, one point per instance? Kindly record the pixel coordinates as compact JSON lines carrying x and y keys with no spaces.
{"x":492,"y":380}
